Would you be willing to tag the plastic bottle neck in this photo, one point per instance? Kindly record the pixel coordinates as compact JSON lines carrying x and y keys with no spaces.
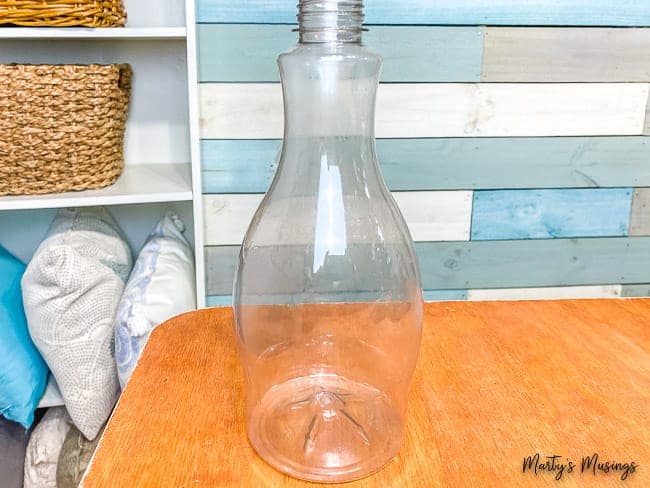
{"x":330,"y":21}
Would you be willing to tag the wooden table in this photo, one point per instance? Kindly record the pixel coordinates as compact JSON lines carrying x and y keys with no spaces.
{"x":496,"y":382}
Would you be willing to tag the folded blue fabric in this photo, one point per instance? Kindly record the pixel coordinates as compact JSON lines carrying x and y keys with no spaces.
{"x":23,"y":373}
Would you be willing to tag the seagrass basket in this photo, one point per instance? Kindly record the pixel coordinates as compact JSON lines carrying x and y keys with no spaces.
{"x":62,"y":126}
{"x":63,"y":13}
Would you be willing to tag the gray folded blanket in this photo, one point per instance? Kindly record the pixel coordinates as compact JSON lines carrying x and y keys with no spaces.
{"x":13,"y":442}
{"x":76,"y":453}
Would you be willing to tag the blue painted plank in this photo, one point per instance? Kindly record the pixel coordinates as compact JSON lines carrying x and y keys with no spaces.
{"x":444,"y":295}
{"x":219,"y":301}
{"x":540,"y":214}
{"x":500,"y":264}
{"x":245,"y":166}
{"x":445,"y":12}
{"x":248,"y":53}
{"x":238,"y":166}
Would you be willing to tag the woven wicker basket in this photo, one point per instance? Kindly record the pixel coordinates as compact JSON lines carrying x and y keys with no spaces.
{"x":63,"y":13}
{"x":61,"y":126}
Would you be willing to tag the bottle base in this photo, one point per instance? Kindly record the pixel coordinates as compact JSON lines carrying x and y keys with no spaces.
{"x":325,"y":428}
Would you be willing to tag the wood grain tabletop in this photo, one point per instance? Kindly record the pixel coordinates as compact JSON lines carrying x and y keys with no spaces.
{"x":496,"y":383}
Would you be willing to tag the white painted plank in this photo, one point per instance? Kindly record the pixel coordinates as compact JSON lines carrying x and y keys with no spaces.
{"x":432,"y":216}
{"x":254,"y":111}
{"x":537,"y":54}
{"x":238,"y":111}
{"x":646,"y":127}
{"x":550,"y":293}
{"x":227,"y":217}
{"x":437,"y":216}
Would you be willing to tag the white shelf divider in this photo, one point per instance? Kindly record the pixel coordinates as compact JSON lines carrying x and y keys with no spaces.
{"x":139,"y":183}
{"x":117,"y":33}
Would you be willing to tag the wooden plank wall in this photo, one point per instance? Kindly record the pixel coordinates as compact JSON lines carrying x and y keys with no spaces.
{"x":519,"y":155}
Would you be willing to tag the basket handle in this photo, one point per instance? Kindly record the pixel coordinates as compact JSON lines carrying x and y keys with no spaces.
{"x":124,"y":81}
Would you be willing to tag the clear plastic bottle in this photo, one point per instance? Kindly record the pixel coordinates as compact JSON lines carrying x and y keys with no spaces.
{"x":328,"y":303}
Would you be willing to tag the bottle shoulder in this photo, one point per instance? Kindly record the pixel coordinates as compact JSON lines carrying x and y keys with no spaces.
{"x":343,"y":51}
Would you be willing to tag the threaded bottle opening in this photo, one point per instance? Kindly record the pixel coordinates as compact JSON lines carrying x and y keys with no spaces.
{"x":323,"y":21}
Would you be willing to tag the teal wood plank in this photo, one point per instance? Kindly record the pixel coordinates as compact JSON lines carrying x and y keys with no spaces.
{"x":642,"y":290}
{"x":220,"y":266}
{"x":248,"y":53}
{"x":444,"y":295}
{"x":500,"y":264}
{"x":245,"y":166}
{"x":429,"y":296}
{"x":450,"y":12}
{"x":534,"y":263}
{"x":540,"y":214}
{"x":219,"y":301}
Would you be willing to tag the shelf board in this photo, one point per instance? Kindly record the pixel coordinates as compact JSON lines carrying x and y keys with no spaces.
{"x":139,"y":183}
{"x":117,"y":33}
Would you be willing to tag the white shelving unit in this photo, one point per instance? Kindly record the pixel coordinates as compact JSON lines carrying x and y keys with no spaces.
{"x":162,"y":163}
